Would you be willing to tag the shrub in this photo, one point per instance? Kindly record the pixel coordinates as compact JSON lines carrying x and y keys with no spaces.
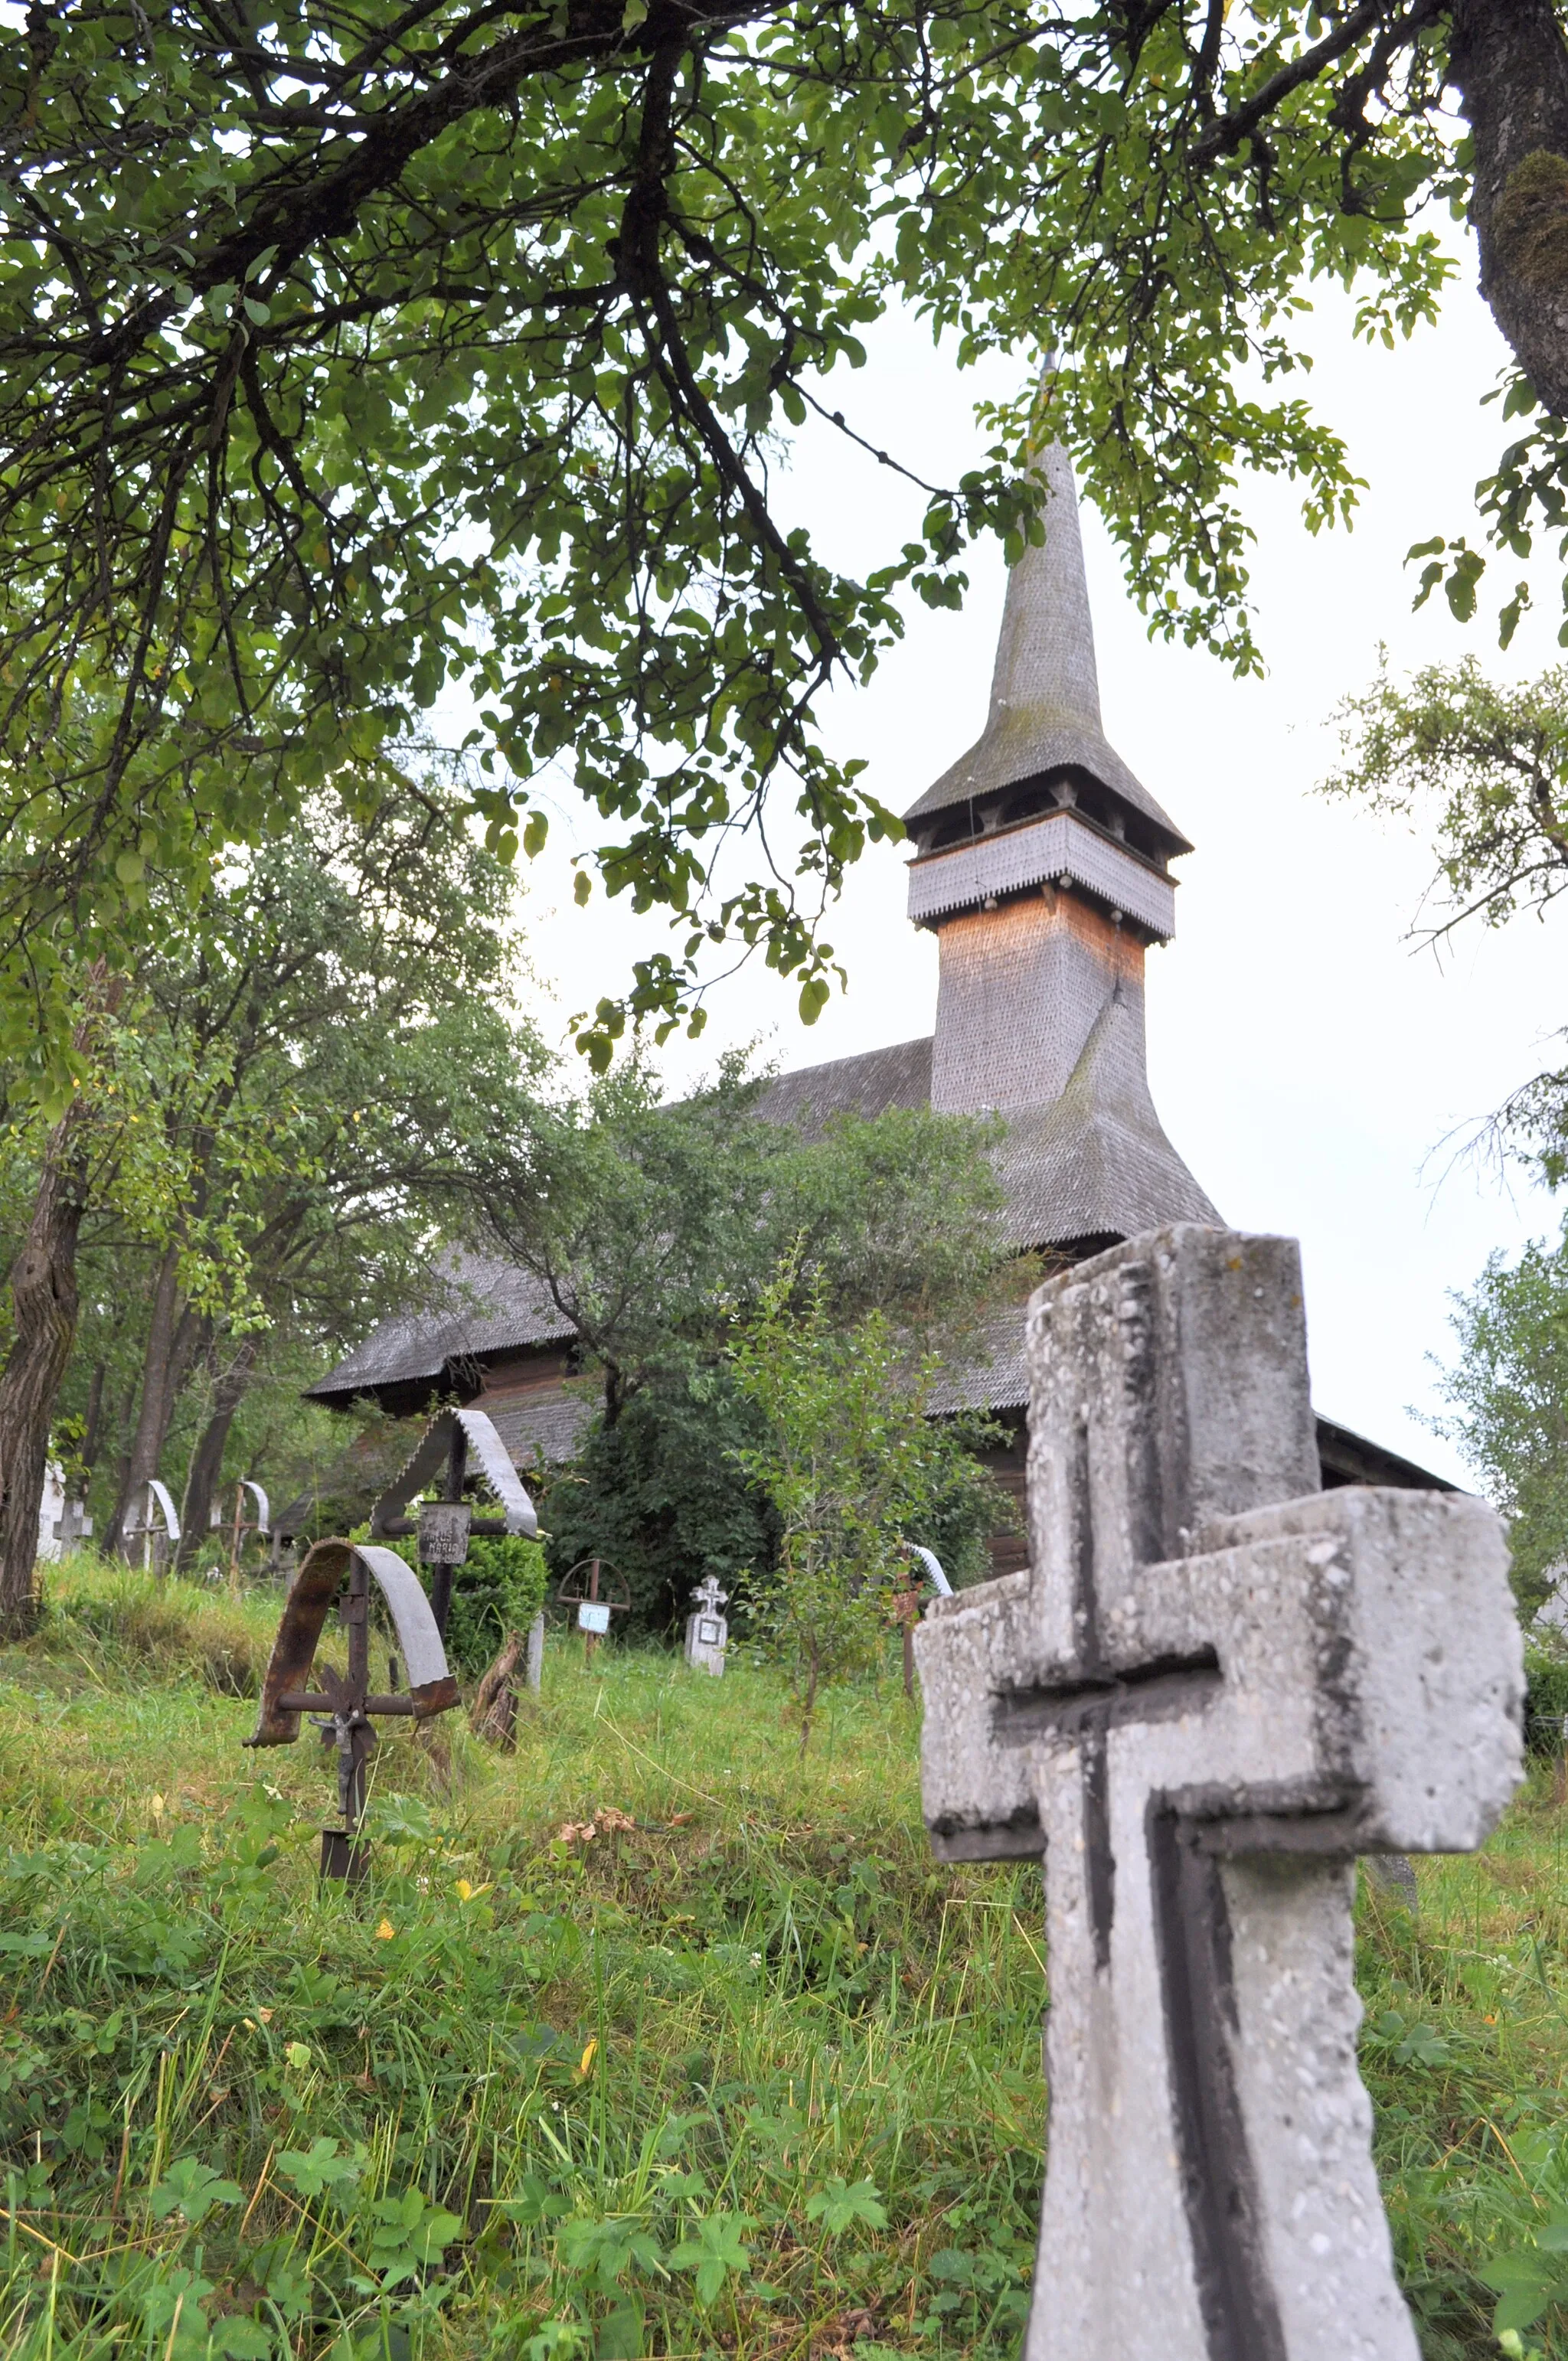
{"x":1545,"y":1700}
{"x":662,"y":1497}
{"x":856,"y":1468}
{"x":499,"y":1589}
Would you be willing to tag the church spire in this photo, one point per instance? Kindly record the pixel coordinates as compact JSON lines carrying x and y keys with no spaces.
{"x":1045,"y":675}
{"x":1043,"y":866}
{"x":1044,"y":719}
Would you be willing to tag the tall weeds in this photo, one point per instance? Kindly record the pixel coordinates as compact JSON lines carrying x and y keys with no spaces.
{"x":741,"y":2070}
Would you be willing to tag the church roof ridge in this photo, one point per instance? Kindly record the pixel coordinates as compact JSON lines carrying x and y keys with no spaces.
{"x":1045,"y":689}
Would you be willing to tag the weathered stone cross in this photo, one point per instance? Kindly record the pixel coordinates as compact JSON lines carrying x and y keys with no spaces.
{"x":1214,"y":1687}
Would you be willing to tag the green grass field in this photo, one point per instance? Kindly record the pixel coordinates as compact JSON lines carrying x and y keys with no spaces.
{"x":751,"y":2074}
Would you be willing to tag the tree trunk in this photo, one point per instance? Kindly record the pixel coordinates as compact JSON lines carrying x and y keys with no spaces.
{"x":152,"y":1418}
{"x":207,"y":1460}
{"x":121,"y":1422}
{"x":93,"y":1425}
{"x":43,"y":1302}
{"x":493,"y":1714}
{"x":1509,"y":62}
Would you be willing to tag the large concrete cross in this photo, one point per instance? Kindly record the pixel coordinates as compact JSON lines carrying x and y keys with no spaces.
{"x":1212,"y":1688}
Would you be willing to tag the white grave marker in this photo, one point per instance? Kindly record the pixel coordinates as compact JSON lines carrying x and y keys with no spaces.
{"x":1212,"y":1688}
{"x":708,"y":1628}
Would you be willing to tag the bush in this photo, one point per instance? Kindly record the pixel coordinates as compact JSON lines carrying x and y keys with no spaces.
{"x":661,"y":1497}
{"x":856,"y":1469}
{"x":1545,"y":1700}
{"x":499,"y":1587}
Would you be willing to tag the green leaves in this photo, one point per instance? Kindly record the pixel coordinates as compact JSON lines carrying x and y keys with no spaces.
{"x":402,"y":1821}
{"x":855,"y":1470}
{"x":716,"y":2253}
{"x":319,"y":2167}
{"x":1406,"y":2038}
{"x":1508,"y":1386}
{"x":1528,"y":2281}
{"x":286,"y":453}
{"x":408,"y":2233}
{"x":603,"y":2250}
{"x":1459,"y":575}
{"x":193,"y":2189}
{"x":840,"y":2205}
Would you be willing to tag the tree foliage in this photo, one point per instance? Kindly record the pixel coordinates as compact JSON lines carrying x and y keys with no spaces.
{"x":497,"y":1590}
{"x":856,"y":1468}
{"x":278,"y":1115}
{"x":350,"y":354}
{"x":658,"y":1231}
{"x":1483,"y":767}
{"x":646,"y":1224}
{"x":1509,"y":1395}
{"x":662,"y":1495}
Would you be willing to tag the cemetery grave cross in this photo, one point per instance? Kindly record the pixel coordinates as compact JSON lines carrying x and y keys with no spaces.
{"x":593,"y":1612}
{"x":444,"y":1527}
{"x":708,"y":1627}
{"x":342,"y":1573}
{"x":1212,"y":1688}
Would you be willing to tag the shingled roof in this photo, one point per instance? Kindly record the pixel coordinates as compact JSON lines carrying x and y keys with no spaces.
{"x":1095,"y":1163}
{"x":472,"y":1305}
{"x":866,"y":1085}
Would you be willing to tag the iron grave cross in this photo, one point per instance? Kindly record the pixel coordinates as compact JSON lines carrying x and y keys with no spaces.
{"x":1212,"y":1688}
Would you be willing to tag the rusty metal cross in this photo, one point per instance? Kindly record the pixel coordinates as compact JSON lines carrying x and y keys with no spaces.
{"x":344,"y":1571}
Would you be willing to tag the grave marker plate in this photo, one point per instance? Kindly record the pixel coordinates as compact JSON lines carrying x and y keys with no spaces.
{"x":444,"y":1527}
{"x":1212,"y":1688}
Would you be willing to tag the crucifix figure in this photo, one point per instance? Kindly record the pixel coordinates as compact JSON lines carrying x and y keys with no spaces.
{"x":1213,"y":1688}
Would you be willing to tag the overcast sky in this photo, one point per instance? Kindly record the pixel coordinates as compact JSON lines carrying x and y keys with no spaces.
{"x":1307,"y":1061}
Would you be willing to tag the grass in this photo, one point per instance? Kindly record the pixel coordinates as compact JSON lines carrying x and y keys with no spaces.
{"x":741,"y":2071}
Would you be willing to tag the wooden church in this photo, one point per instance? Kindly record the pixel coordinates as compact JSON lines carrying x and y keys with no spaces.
{"x":1043,"y":868}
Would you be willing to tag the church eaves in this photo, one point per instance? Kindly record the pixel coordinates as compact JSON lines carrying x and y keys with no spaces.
{"x":1045,"y":690}
{"x":1095,"y":1163}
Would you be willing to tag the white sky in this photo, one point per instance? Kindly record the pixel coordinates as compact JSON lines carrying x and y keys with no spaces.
{"x":1308,"y":1062}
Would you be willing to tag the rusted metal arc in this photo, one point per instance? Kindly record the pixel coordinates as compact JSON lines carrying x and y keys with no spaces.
{"x":432,"y":1688}
{"x":594,"y":1567}
{"x":389,"y":1514}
